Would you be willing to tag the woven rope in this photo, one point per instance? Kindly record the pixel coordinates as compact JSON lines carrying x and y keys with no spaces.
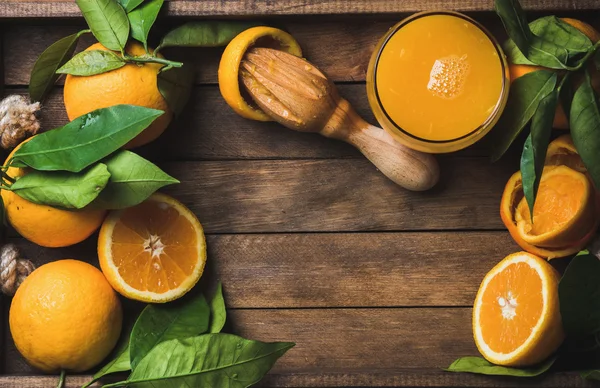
{"x":13,"y":269}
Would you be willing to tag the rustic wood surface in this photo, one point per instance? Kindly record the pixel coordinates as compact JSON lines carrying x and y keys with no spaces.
{"x":216,"y":8}
{"x":313,"y":244}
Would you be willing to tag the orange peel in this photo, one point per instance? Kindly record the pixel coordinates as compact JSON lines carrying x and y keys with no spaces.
{"x":554,"y":243}
{"x":229,"y":67}
{"x":562,"y":151}
{"x":563,"y":212}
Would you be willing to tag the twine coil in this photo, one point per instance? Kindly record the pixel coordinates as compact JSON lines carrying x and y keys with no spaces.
{"x":13,"y":269}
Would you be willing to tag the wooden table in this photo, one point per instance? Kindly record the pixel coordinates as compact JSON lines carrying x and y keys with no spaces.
{"x":313,"y":244}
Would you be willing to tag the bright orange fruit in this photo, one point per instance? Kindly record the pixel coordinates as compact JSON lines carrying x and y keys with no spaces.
{"x":132,"y":84}
{"x":45,"y":225}
{"x":65,"y":315}
{"x":516,"y":316}
{"x":152,"y":252}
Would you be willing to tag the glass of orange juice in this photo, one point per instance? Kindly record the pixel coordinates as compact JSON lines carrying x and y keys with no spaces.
{"x":438,"y":81}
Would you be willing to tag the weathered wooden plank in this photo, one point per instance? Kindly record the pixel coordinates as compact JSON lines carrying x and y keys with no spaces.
{"x":340,"y":49}
{"x":337,"y":195}
{"x":210,"y":130}
{"x":355,"y":347}
{"x":400,"y":378}
{"x":347,"y":340}
{"x":336,"y":270}
{"x":67,"y":8}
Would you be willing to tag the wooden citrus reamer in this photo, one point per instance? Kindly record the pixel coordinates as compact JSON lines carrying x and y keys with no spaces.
{"x":297,"y":95}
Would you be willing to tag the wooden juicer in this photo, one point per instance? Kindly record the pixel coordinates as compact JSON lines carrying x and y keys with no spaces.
{"x":296,"y":94}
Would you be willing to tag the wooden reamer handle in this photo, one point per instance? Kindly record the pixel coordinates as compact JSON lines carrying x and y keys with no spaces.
{"x":408,"y":168}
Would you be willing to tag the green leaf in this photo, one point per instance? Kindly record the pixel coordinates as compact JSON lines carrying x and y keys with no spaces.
{"x":566,"y":94}
{"x":108,"y":22}
{"x":204,"y":34}
{"x":120,"y":363}
{"x":585,"y":128}
{"x":515,"y":23}
{"x":130,"y":5}
{"x":579,"y":296}
{"x":85,"y":140}
{"x":551,"y":29}
{"x":514,"y":55}
{"x":479,"y":365}
{"x":132,"y":180}
{"x":211,"y":360}
{"x":536,"y":145}
{"x":92,"y":62}
{"x":543,"y":52}
{"x":526,"y":92}
{"x":43,"y":74}
{"x":62,"y":189}
{"x":597,"y":59}
{"x":175,"y":85}
{"x":160,"y":323}
{"x":218,"y":312}
{"x":142,"y":18}
{"x":548,"y":54}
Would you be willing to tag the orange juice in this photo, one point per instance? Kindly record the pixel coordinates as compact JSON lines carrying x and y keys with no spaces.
{"x":438,"y":81}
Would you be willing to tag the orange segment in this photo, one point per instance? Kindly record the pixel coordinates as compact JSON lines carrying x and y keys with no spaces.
{"x":516,"y":316}
{"x":563,"y":211}
{"x":229,"y":67}
{"x":152,"y":252}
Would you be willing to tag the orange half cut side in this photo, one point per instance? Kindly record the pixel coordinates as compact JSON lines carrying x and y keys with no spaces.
{"x":516,"y":317}
{"x":152,"y":252}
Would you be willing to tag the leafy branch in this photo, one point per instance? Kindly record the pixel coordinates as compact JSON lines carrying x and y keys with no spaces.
{"x":115,"y":23}
{"x":73,"y":168}
{"x":166,"y":337}
{"x":554,"y":45}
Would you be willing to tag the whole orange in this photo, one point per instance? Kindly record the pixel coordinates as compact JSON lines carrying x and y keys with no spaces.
{"x":516,"y":71}
{"x":65,"y":315}
{"x":45,"y":225}
{"x":134,"y":84}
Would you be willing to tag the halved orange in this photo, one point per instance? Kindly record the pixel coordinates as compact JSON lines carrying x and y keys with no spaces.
{"x":564,"y":209}
{"x":229,"y":67}
{"x":152,"y":252}
{"x":516,"y":315}
{"x":564,"y":218}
